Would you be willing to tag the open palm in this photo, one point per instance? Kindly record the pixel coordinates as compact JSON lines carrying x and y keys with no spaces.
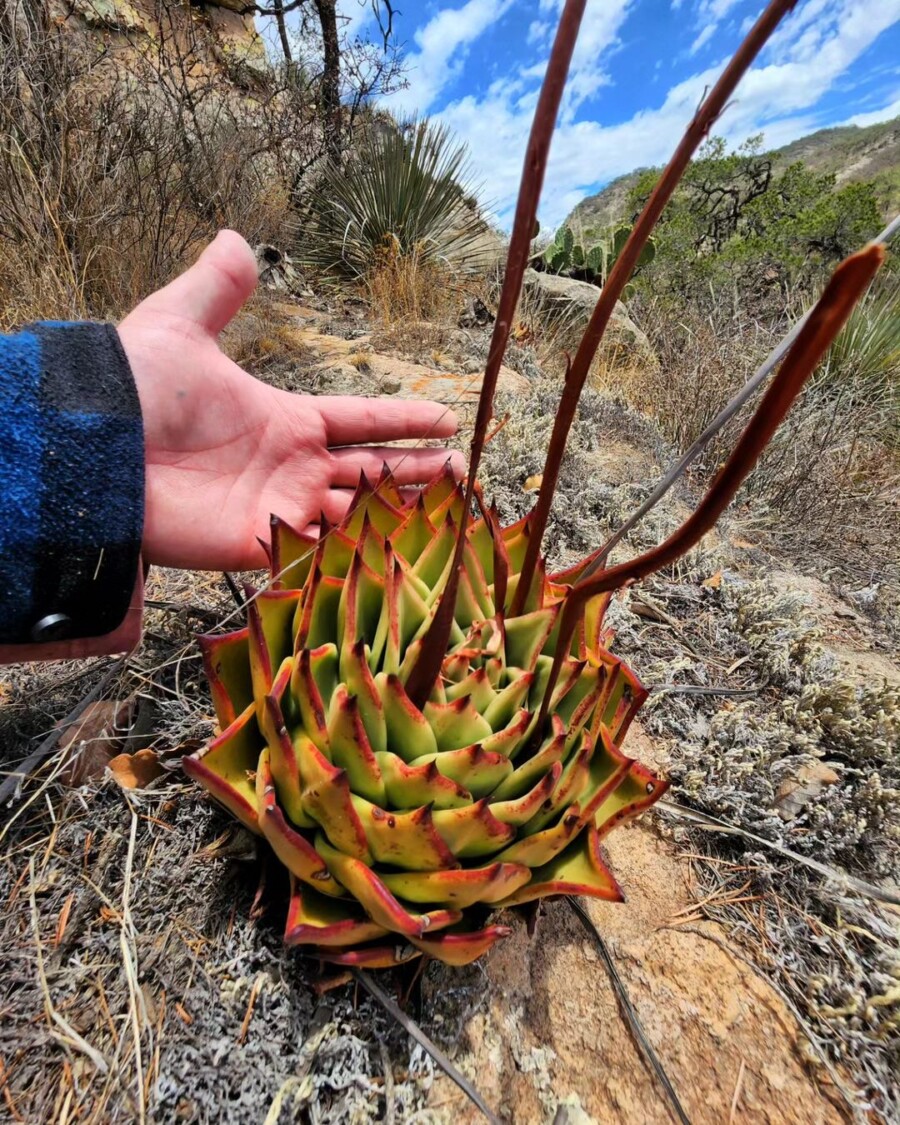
{"x":224,"y":451}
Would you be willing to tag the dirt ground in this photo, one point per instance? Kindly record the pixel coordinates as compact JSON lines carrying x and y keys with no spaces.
{"x":143,"y":974}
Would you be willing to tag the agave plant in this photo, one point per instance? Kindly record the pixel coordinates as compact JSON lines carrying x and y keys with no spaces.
{"x":403,"y":826}
{"x":424,"y":725}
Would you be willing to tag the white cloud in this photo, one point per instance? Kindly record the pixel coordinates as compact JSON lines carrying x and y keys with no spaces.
{"x":777,"y":98}
{"x":441,"y":45}
{"x":873,"y":117}
{"x":702,"y":39}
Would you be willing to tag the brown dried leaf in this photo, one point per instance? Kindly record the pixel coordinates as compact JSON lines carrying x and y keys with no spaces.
{"x":714,"y":581}
{"x":94,"y":738}
{"x":795,"y":793}
{"x":136,"y":771}
{"x":533,"y":484}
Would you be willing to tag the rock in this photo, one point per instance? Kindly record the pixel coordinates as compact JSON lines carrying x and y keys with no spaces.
{"x":546,"y":1035}
{"x":575,"y":300}
{"x":476,"y":314}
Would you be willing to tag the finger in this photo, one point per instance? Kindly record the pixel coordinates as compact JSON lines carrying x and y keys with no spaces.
{"x":408,"y":466}
{"x":336,"y":503}
{"x":216,"y":285}
{"x":355,"y":421}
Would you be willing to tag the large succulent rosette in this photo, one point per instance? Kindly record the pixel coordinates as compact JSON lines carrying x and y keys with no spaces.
{"x":404,"y":828}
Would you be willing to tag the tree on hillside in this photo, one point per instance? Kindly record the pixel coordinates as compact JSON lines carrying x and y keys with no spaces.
{"x":736,"y":213}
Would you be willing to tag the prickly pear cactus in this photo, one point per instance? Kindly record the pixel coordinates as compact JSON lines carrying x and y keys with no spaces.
{"x":404,"y":828}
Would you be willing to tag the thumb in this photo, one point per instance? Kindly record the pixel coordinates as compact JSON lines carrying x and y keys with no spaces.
{"x":215,"y":286}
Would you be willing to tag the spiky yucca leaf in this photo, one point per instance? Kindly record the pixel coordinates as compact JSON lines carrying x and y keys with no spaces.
{"x":404,"y":828}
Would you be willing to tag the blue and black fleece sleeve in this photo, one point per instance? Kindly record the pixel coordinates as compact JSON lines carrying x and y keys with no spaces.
{"x":71,"y":483}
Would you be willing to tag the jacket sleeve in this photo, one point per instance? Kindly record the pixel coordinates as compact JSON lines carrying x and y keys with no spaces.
{"x":71,"y":494}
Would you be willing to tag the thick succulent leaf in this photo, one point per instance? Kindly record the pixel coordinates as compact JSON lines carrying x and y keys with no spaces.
{"x":292,"y":848}
{"x":414,"y":534}
{"x":578,"y":870}
{"x":476,"y":686}
{"x":362,"y":598}
{"x":543,"y":846}
{"x":334,"y":554}
{"x":451,"y":509}
{"x":529,"y":771}
{"x":305,"y":693}
{"x":369,"y":956}
{"x":350,"y":750}
{"x":461,"y":948}
{"x":327,"y":799}
{"x":437,"y":491}
{"x":226,"y":661}
{"x":482,"y":542}
{"x":525,"y":636}
{"x":520,"y":810}
{"x":387,"y":488}
{"x":372,"y":505}
{"x":473,"y":767}
{"x":270,"y":616}
{"x":410,"y":786}
{"x":315,"y":919}
{"x":408,"y":733}
{"x":505,"y":706}
{"x":432,"y":564}
{"x":456,"y":724}
{"x":226,"y":767}
{"x":461,"y":887}
{"x":572,"y":783}
{"x":358,"y":678}
{"x":511,"y":739}
{"x":473,"y":831}
{"x":375,"y":898}
{"x":284,"y":761}
{"x":639,"y":789}
{"x":406,"y":840}
{"x":317,"y":621}
{"x":403,"y":614}
{"x":292,"y":555}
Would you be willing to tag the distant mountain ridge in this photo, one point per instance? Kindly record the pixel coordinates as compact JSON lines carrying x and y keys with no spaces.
{"x":853,"y":153}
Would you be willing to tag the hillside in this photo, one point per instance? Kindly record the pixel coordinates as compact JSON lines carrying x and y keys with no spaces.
{"x":852,"y":153}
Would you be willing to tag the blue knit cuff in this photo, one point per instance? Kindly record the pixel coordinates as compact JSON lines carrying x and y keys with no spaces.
{"x":71,"y":482}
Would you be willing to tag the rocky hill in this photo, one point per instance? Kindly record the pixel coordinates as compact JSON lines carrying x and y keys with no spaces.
{"x":853,"y":154}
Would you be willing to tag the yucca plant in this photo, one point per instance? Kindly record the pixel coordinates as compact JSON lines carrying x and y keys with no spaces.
{"x":405,"y":191}
{"x":424,"y":725}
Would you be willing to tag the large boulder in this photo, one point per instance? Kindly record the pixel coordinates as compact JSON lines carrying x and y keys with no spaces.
{"x":573,"y":301}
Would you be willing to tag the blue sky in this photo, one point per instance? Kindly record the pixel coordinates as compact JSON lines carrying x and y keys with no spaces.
{"x":639,"y":71}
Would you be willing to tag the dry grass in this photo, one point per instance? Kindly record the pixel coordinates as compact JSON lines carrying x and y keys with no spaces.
{"x":827,"y":489}
{"x":404,"y":287}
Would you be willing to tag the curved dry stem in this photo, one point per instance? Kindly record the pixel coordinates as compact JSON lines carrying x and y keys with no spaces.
{"x":434,"y":648}
{"x":848,"y":283}
{"x":577,"y":374}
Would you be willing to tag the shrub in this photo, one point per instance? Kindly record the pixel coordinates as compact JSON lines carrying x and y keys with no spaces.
{"x":403,"y":195}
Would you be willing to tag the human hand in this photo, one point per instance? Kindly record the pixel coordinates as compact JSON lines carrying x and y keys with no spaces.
{"x":224,"y":451}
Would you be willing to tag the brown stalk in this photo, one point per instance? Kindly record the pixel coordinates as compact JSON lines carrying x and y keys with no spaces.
{"x":578,"y":371}
{"x":847,"y":284}
{"x":434,"y":648}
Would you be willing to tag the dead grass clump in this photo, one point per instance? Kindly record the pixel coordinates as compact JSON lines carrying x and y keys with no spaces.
{"x":410,"y":286}
{"x":827,"y":489}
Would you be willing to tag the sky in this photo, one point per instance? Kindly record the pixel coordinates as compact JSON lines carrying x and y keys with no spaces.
{"x":639,"y":71}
